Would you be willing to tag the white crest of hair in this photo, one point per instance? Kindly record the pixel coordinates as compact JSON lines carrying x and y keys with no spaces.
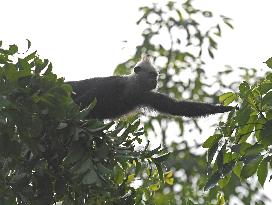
{"x":145,"y":63}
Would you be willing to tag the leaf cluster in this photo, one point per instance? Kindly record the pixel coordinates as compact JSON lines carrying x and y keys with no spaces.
{"x":241,"y":145}
{"x":50,"y":151}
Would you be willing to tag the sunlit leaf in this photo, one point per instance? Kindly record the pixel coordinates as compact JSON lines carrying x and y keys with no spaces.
{"x":154,"y":187}
{"x":262,"y":172}
{"x":227,"y":98}
{"x":211,"y":140}
{"x":220,"y":200}
{"x":168,"y":177}
{"x":131,"y":178}
{"x":269,"y":62}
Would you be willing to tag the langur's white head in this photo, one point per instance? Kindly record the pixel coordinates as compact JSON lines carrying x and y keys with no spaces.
{"x":146,"y":73}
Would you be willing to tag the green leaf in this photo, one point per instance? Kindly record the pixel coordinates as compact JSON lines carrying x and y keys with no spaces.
{"x":23,"y":65}
{"x":218,"y":33}
{"x":4,"y":102}
{"x":213,"y":44}
{"x":118,"y":174}
{"x":246,"y":130}
{"x":267,"y":99}
{"x":40,"y":65}
{"x":103,"y":170}
{"x":248,"y":158}
{"x":11,"y":72}
{"x":220,"y":159}
{"x":85,"y":112}
{"x":262,"y":172}
{"x":28,"y":44}
{"x":90,"y":177}
{"x":227,"y":98}
{"x":240,"y":148}
{"x":138,"y":167}
{"x":48,"y":69}
{"x":266,"y":133}
{"x":121,"y":69}
{"x":228,"y":167}
{"x":130,"y":178}
{"x":154,"y":187}
{"x":210,"y":53}
{"x":269,"y":62}
{"x":265,"y":86}
{"x":13,"y":49}
{"x":212,"y":181}
{"x":31,"y":56}
{"x":249,"y":169}
{"x":244,"y":88}
{"x":212,"y":140}
{"x":212,"y":151}
{"x":227,"y":22}
{"x":255,"y":149}
{"x":220,"y":199}
{"x":159,"y":168}
{"x":243,"y":115}
{"x":259,"y":127}
{"x":82,"y":167}
{"x":224,"y":182}
{"x":75,"y":153}
{"x":168,"y":177}
{"x":238,"y":168}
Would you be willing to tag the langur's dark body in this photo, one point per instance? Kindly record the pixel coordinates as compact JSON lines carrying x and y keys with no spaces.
{"x":119,"y":95}
{"x":110,"y":92}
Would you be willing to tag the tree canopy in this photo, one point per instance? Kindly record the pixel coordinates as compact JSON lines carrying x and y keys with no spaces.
{"x":51,"y":152}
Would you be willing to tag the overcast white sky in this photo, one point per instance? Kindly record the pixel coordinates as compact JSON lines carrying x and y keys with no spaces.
{"x":77,"y":35}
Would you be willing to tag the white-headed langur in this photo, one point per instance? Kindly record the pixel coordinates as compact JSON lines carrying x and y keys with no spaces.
{"x":119,"y":95}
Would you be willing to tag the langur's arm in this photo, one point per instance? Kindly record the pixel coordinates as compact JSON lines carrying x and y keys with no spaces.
{"x":165,"y":104}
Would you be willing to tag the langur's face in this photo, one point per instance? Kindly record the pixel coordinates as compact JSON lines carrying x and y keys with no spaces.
{"x":146,"y":77}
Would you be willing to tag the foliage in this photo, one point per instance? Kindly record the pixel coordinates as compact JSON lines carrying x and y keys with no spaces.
{"x":50,"y":152}
{"x":241,"y":145}
{"x":180,"y":57}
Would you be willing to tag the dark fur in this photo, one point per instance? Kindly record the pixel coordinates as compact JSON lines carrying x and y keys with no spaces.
{"x":119,"y":95}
